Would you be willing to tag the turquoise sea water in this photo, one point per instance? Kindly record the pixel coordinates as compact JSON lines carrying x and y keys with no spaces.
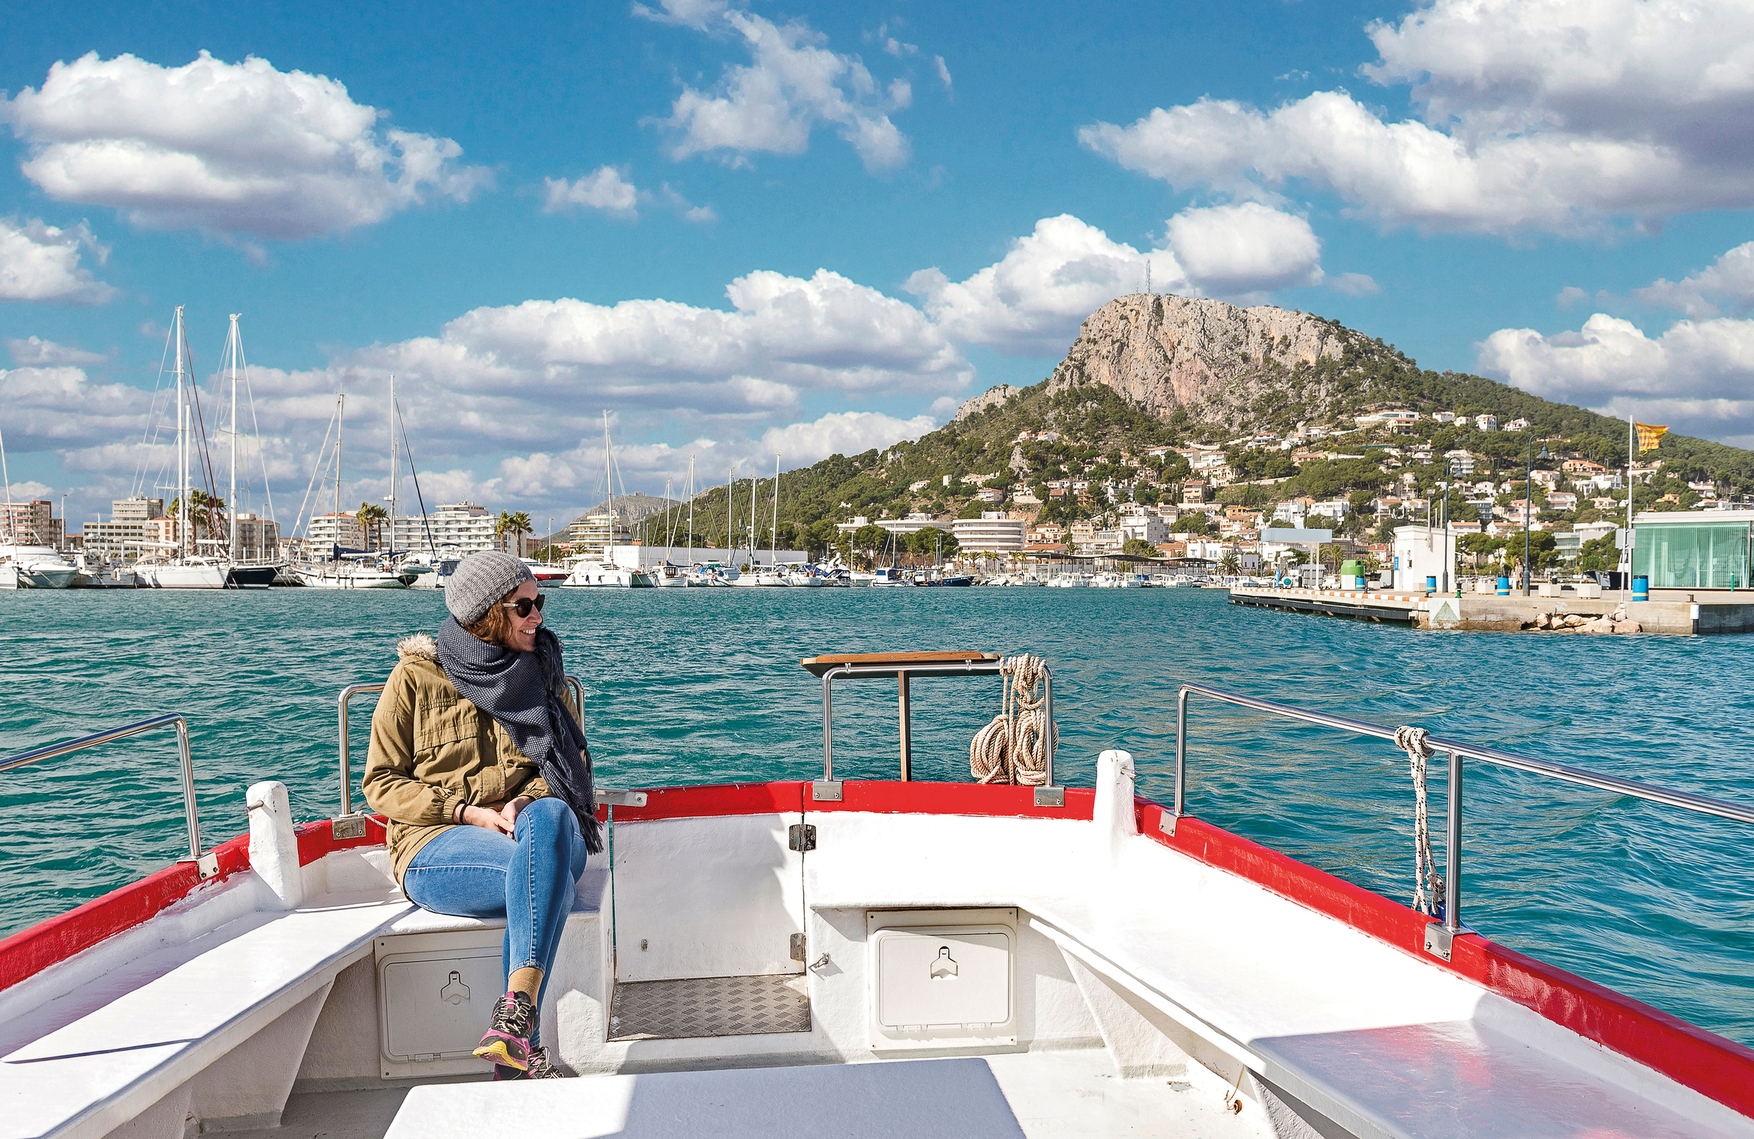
{"x":690,"y":686}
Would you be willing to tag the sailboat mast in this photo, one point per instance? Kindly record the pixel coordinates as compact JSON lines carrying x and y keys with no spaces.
{"x":392,"y":463}
{"x":773,"y":535}
{"x":232,"y":345}
{"x":691,"y":510}
{"x":730,"y":510}
{"x":608,"y":485}
{"x":340,"y":411}
{"x":752,"y":484}
{"x":183,"y":512}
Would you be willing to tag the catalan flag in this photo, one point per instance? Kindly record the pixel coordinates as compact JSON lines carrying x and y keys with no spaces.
{"x":1648,"y":436}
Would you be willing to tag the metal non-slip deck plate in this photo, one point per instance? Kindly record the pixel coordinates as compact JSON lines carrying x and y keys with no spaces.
{"x":709,"y":1006}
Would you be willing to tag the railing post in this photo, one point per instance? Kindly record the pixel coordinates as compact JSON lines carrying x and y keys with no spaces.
{"x":828,"y":726}
{"x":1181,"y":751}
{"x":191,"y":813}
{"x":346,"y":769}
{"x":1452,"y":853}
{"x":906,"y":713}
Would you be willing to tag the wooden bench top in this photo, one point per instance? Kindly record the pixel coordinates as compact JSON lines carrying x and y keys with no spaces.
{"x":821,"y":664}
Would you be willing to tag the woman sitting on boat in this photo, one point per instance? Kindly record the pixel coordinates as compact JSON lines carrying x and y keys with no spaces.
{"x":483,"y":772}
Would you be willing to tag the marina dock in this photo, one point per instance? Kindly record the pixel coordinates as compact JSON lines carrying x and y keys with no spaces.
{"x":1712,"y":612}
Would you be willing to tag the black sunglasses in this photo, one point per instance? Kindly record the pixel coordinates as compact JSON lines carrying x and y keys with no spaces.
{"x":523,"y":605}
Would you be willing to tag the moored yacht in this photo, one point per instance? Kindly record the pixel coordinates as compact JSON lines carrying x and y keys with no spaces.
{"x":35,"y":567}
{"x":590,"y":574}
{"x":885,"y":957}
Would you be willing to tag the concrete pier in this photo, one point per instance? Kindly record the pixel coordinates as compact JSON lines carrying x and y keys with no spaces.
{"x":1683,"y":614}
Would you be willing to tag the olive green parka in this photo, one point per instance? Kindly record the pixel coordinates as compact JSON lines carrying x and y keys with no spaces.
{"x":432,"y":750}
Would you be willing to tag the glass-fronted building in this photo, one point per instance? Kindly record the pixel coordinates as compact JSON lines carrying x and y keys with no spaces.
{"x":1698,"y":549}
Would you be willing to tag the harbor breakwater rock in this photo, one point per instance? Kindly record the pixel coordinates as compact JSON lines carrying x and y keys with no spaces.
{"x":1223,"y":365}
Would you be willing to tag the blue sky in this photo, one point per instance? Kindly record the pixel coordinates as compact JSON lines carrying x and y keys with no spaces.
{"x":806,"y":228}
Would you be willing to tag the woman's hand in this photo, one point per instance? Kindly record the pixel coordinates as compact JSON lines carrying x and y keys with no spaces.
{"x":490,"y":819}
{"x":512,"y":809}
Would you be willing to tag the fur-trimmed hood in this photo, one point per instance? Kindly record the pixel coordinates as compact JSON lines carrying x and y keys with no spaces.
{"x":418,"y":646}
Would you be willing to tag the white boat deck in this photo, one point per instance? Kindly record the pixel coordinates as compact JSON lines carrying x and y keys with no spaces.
{"x":1152,"y":993}
{"x":1044,"y":1095}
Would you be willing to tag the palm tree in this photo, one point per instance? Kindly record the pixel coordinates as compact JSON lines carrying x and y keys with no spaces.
{"x":370,"y":518}
{"x":513,"y":524}
{"x":204,"y":511}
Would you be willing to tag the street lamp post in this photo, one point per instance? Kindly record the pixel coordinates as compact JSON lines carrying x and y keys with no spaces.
{"x":1528,"y":503}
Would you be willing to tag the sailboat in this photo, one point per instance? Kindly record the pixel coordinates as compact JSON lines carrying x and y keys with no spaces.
{"x":358,"y":570}
{"x":28,"y":566}
{"x":186,"y":569}
{"x":240,"y":573}
{"x":759,"y":575}
{"x":604,"y":573}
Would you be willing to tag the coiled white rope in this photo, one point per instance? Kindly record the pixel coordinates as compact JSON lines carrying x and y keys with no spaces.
{"x":1014,"y":747}
{"x":1427,"y":886}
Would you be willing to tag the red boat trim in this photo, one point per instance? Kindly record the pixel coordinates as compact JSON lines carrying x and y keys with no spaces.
{"x":1710,"y":1064}
{"x":713,"y":800}
{"x":49,"y":942}
{"x":915,"y":798}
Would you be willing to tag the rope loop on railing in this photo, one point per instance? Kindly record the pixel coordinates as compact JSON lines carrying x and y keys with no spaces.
{"x":1014,"y":747}
{"x":1427,"y":886}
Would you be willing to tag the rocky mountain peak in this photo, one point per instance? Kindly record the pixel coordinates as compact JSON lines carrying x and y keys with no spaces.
{"x":1224,"y":365}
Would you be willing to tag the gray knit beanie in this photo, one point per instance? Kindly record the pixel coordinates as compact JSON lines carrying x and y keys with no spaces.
{"x":480,"y":580}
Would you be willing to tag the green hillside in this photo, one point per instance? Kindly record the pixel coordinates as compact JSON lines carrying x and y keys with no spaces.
{"x":1104,"y":437}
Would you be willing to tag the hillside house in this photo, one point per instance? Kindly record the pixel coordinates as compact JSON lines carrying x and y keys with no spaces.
{"x":1486,"y":422}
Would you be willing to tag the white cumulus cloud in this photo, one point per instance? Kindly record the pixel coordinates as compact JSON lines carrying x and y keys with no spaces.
{"x":233,"y":149}
{"x":1553,"y":115}
{"x":1697,"y":375}
{"x":41,"y":262}
{"x":603,"y":189}
{"x":32,"y":350}
{"x":1727,"y":283}
{"x":792,"y":83}
{"x":1244,"y":249}
{"x":839,"y":432}
{"x":1031,"y":301}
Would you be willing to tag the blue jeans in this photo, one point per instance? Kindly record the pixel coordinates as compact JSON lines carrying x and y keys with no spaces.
{"x":473,"y":872}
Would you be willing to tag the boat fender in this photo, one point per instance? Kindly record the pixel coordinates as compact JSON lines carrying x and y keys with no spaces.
{"x":273,"y":845}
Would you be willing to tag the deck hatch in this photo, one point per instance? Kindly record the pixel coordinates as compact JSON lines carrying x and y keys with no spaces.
{"x":709,"y":1006}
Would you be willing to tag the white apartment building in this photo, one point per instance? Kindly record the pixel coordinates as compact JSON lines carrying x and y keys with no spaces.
{"x":327,"y":531}
{"x":462,"y":526}
{"x":1145,"y":526}
{"x":992,"y":532}
{"x":1460,"y":463}
{"x":135,"y":524}
{"x":1291,"y":513}
{"x":1334,"y":510}
{"x":1486,"y":422}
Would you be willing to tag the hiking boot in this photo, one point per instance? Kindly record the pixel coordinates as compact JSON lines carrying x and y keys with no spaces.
{"x":540,"y":1068}
{"x":507,"y":1040}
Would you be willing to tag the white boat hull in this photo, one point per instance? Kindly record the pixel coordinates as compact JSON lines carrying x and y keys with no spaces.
{"x":600,"y":576}
{"x":179,"y":576}
{"x":37,"y":567}
{"x":368,"y":579}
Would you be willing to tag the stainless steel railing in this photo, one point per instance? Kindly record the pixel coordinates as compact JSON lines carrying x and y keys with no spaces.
{"x":1438,"y":938}
{"x":343,"y":823}
{"x":828,"y":788}
{"x":207,"y":867}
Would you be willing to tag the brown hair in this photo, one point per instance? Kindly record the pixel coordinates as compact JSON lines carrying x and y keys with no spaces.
{"x":495,"y":625}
